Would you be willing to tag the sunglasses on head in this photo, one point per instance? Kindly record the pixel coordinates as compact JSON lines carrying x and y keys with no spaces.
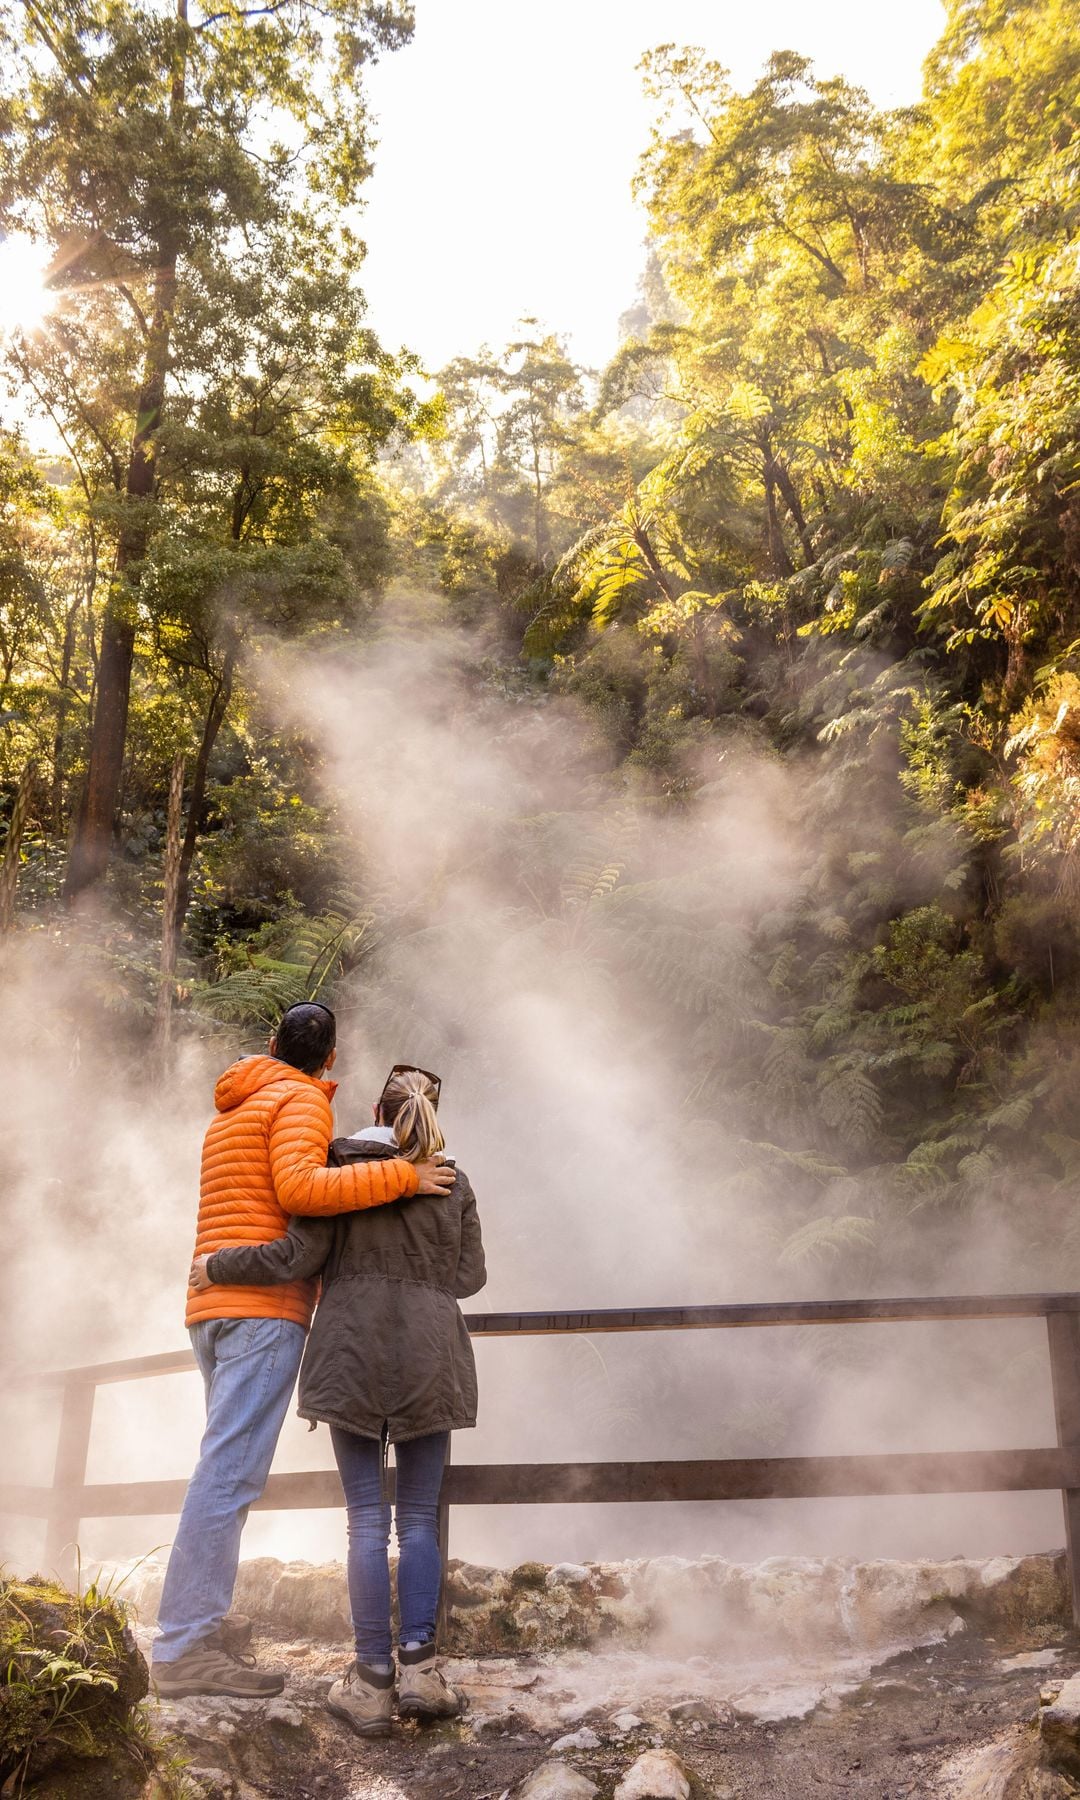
{"x":414,"y":1069}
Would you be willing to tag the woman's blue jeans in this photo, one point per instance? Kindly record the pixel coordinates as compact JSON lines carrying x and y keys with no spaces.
{"x":420,"y":1464}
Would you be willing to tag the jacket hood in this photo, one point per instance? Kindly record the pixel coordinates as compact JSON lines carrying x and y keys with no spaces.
{"x":374,"y":1142}
{"x":246,"y":1077}
{"x":365,"y":1149}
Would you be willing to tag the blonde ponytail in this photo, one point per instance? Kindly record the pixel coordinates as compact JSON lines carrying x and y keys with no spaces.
{"x":408,"y":1105}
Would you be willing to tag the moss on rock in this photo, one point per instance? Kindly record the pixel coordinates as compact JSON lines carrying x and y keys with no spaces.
{"x":71,"y":1681}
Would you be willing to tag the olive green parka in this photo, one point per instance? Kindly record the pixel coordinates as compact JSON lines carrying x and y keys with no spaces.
{"x":388,"y":1353}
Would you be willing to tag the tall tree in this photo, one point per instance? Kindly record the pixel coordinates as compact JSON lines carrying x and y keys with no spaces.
{"x":149,"y":147}
{"x":542,"y":393}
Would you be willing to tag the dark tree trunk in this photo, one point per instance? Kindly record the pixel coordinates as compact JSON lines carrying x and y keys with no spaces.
{"x":538,"y":512}
{"x":63,"y":705}
{"x":9,"y":863}
{"x":782,"y":565}
{"x":163,"y":1015}
{"x":791,"y":501}
{"x":215,"y":718}
{"x":97,"y":812}
{"x":656,"y":568}
{"x":100,"y":799}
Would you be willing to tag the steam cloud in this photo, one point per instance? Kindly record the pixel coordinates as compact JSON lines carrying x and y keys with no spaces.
{"x":489,"y":829}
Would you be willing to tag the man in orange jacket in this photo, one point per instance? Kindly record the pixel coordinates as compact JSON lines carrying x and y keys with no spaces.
{"x":264,"y":1159}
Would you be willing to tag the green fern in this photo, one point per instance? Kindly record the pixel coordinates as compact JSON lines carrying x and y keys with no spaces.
{"x":827,"y":1237}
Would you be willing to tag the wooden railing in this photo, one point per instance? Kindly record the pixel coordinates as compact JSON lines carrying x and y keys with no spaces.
{"x":71,"y":1499}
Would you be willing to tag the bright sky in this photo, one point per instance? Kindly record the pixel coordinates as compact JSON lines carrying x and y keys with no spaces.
{"x":509,"y":133}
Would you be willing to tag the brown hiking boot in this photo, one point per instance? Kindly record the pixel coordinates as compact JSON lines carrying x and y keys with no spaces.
{"x":214,"y":1667}
{"x":364,"y":1698}
{"x":423,"y":1691}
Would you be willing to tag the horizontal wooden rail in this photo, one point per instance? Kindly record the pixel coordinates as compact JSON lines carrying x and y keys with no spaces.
{"x":639,"y":1318}
{"x":615,"y":1483}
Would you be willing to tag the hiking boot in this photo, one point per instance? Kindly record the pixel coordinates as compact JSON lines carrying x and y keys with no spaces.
{"x":364,"y":1698}
{"x":423,"y":1691}
{"x":213,"y":1667}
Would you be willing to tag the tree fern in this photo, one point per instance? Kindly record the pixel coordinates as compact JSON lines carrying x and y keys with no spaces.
{"x":293,"y":959}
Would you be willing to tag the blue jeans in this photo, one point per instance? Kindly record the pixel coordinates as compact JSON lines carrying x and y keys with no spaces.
{"x":420,"y":1465}
{"x":249,"y":1367}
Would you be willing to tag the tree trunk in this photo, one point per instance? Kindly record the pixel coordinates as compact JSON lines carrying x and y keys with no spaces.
{"x":215,"y":718}
{"x":101,"y":796}
{"x":778,"y":555}
{"x":1016,"y":670}
{"x":163,"y":1015}
{"x":9,"y":866}
{"x":656,"y":568}
{"x":56,"y":790}
{"x":791,"y":501}
{"x":538,"y":506}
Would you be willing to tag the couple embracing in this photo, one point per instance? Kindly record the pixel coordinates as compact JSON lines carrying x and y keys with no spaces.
{"x":388,"y":1227}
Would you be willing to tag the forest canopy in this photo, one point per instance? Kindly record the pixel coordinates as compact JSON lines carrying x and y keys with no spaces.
{"x":822,"y":508}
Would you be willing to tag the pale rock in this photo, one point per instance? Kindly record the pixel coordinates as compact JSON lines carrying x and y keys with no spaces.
{"x":625,"y":1722}
{"x":1010,"y":1768}
{"x":698,"y":1609}
{"x":279,"y":1712}
{"x":694,"y":1712}
{"x":1059,"y":1728}
{"x":556,"y":1781}
{"x":568,"y":1575}
{"x":657,"y":1775}
{"x":585,"y":1739}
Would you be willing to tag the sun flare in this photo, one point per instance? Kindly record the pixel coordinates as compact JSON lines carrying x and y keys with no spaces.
{"x":24,"y":297}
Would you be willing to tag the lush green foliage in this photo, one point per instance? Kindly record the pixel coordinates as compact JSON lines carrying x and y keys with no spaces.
{"x":821,"y":512}
{"x":846,"y":425}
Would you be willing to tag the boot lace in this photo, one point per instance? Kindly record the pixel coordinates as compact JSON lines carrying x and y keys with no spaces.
{"x":222,"y":1641}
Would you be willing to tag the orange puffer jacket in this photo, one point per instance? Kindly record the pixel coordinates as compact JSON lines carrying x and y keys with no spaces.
{"x":264,"y":1158}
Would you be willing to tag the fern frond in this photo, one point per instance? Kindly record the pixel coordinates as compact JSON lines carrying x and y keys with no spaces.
{"x":827,"y":1237}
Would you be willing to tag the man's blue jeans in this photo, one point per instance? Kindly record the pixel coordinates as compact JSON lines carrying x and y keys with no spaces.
{"x":249,"y":1367}
{"x":420,"y":1464}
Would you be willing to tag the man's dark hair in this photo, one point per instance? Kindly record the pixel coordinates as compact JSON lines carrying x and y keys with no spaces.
{"x":306,"y":1035}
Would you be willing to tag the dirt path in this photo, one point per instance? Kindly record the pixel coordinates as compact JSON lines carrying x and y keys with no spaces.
{"x":885,"y":1735}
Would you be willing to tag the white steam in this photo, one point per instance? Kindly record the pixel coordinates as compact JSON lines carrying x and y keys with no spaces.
{"x":500,"y":851}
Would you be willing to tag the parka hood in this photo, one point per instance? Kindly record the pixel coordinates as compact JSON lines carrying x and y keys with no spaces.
{"x":246,"y":1077}
{"x":373,"y":1143}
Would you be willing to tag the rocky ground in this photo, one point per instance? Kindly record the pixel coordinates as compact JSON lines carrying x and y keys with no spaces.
{"x":831,"y":1712}
{"x":953,"y":1721}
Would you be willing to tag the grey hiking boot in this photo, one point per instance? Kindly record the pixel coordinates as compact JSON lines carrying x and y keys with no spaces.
{"x":215,"y":1666}
{"x":423,"y":1691}
{"x":364,"y":1698}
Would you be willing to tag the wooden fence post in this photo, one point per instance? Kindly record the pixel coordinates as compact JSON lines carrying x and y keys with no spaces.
{"x":69,"y":1475}
{"x":1063,"y":1331}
